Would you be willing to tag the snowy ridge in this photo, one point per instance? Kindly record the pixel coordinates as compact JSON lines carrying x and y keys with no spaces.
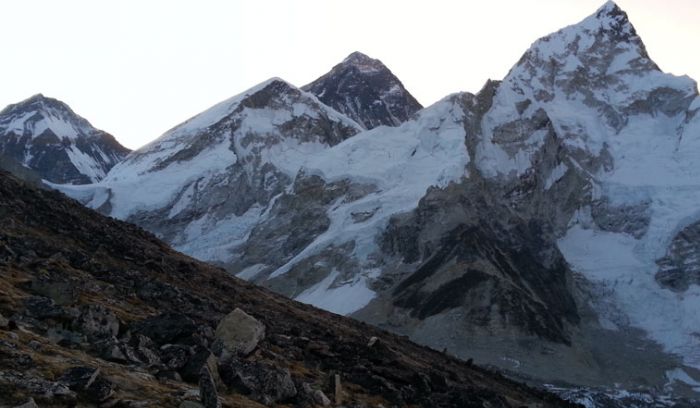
{"x":157,"y":186}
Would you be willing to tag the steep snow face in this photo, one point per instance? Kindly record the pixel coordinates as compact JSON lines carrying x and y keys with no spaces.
{"x":45,"y":135}
{"x":204,"y":184}
{"x":365,"y":90}
{"x":400,"y":165}
{"x":633,"y":132}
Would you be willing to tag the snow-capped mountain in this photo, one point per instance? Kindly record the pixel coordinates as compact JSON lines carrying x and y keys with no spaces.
{"x":46,"y":136}
{"x":366,"y":91}
{"x":205,"y":183}
{"x":546,"y":225}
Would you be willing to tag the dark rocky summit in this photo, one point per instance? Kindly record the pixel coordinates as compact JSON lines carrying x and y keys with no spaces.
{"x":366,"y":91}
{"x":98,"y":311}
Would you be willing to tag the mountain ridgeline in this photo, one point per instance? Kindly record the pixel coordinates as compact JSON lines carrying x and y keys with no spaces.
{"x":545,"y":225}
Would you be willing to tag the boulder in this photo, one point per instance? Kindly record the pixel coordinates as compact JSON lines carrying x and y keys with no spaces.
{"x":141,"y":349}
{"x":28,"y":404}
{"x":174,"y":356}
{"x":190,"y":404}
{"x":239,"y":333}
{"x":88,"y":383}
{"x":263,"y":382}
{"x":96,"y":322}
{"x":202,"y":357}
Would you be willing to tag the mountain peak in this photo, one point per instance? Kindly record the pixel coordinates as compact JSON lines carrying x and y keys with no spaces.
{"x":611,"y":17}
{"x":363,"y":62}
{"x":365,"y":90}
{"x":44,"y":134}
{"x":40,"y":104}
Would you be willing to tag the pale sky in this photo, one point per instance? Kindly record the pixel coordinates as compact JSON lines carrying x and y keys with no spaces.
{"x":137,"y":68}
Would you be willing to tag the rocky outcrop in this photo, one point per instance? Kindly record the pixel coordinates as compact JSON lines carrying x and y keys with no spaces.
{"x":366,"y":91}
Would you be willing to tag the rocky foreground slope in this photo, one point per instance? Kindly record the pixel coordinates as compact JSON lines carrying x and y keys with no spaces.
{"x":97,"y":311}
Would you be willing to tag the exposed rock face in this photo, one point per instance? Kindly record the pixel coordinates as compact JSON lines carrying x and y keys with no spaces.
{"x":680,"y":268}
{"x":47,"y":137}
{"x":366,"y":91}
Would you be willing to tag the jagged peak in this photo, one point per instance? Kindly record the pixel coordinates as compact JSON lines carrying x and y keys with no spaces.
{"x":608,"y":7}
{"x":610,"y":16}
{"x":603,"y":35}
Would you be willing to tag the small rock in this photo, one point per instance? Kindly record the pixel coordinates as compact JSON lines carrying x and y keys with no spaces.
{"x":28,"y":404}
{"x":4,"y":323}
{"x":97,"y":322}
{"x":65,"y":338}
{"x":141,"y":349}
{"x":321,"y":399}
{"x":239,"y":332}
{"x":263,"y":382}
{"x":171,"y":375}
{"x":175,"y":356}
{"x":43,"y":308}
{"x":207,"y":389}
{"x":372,"y":341}
{"x":316,"y":397}
{"x":34,"y":345}
{"x":338,"y":389}
{"x":190,"y":404}
{"x":111,"y":350}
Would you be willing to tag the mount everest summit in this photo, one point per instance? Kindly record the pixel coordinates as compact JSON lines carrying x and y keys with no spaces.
{"x":546,"y":225}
